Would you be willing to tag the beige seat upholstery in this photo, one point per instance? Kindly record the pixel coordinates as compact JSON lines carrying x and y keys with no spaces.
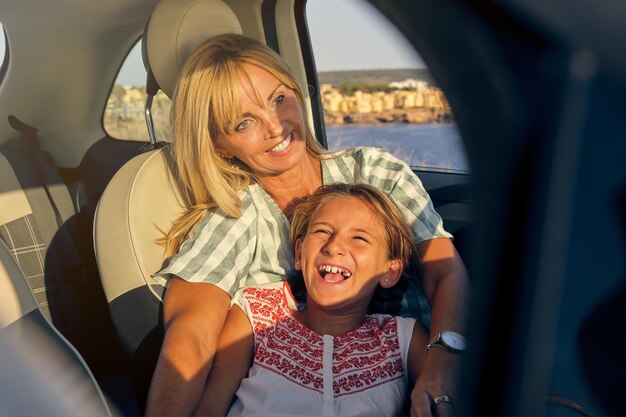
{"x":140,"y":198}
{"x":47,"y":375}
{"x":176,"y":28}
{"x":138,"y":203}
{"x":135,"y":205}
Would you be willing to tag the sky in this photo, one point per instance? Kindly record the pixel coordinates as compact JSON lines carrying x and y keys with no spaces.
{"x":352,"y":34}
{"x":346,"y":35}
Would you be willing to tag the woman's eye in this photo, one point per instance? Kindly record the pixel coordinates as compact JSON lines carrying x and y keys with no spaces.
{"x":243,"y":125}
{"x":279,"y":99}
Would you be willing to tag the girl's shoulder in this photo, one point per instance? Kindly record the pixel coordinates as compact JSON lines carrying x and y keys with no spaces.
{"x":277,"y":294}
{"x":258,"y":291}
{"x":265,"y":302}
{"x":387,"y":322}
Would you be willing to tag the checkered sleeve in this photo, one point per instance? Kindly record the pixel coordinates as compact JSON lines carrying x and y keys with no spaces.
{"x":386,"y":172}
{"x":218,"y":252}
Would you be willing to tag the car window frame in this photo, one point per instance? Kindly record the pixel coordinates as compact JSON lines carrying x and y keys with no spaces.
{"x":4,"y":65}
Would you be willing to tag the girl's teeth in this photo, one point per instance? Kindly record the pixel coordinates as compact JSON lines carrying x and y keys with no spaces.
{"x":335,"y":270}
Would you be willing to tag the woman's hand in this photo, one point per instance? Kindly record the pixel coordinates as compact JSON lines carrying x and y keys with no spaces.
{"x":436,"y":381}
{"x":447,"y":288}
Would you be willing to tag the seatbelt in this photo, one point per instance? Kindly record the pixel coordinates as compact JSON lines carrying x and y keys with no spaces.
{"x":71,"y":269}
{"x":29,"y":135}
{"x":76,"y":274}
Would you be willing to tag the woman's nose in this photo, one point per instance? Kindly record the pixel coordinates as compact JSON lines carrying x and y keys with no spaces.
{"x":274,"y":126}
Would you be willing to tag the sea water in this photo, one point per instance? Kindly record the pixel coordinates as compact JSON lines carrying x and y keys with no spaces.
{"x":429,"y":145}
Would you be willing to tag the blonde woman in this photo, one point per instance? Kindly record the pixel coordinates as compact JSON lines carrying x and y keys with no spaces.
{"x":244,"y":158}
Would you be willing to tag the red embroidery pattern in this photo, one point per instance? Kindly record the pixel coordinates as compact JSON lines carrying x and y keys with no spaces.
{"x":364,"y":358}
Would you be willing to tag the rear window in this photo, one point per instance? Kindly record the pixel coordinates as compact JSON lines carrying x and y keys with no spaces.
{"x":124,"y":116}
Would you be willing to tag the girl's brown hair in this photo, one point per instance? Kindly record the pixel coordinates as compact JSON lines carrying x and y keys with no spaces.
{"x":399,"y":238}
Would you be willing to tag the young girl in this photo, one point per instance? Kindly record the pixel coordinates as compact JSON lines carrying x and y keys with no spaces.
{"x":326,"y":356}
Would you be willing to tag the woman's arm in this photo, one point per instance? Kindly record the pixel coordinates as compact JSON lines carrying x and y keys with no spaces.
{"x":193,"y":315}
{"x":232,"y":362}
{"x":415,"y":355}
{"x":447,"y":288}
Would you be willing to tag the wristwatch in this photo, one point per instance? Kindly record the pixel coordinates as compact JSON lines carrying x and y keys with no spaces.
{"x":450,"y":341}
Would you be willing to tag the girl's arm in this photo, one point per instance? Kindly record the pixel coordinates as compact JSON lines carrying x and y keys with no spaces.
{"x":233,"y":358}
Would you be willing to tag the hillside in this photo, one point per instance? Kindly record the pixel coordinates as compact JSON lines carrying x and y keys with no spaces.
{"x":374,"y":77}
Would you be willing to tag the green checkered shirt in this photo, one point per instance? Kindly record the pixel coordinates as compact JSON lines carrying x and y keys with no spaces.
{"x":254,"y":249}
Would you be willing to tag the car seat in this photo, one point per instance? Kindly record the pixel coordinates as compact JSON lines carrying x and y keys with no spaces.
{"x":38,"y":224}
{"x":141,"y":200}
{"x":41,"y":373}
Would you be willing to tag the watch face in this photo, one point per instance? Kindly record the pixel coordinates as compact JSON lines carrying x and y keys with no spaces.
{"x":453,"y":340}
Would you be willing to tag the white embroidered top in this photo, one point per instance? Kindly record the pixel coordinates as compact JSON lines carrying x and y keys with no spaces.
{"x":297,"y":372}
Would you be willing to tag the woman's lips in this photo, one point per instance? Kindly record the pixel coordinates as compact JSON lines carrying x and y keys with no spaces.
{"x":282,"y":145}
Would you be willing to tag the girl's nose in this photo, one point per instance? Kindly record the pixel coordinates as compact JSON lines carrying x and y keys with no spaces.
{"x":334,"y":246}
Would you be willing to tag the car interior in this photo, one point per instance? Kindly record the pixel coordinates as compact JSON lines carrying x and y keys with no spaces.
{"x":25,"y":329}
{"x":538,"y":95}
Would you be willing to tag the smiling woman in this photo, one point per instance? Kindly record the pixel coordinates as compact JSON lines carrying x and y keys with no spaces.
{"x":268,"y":109}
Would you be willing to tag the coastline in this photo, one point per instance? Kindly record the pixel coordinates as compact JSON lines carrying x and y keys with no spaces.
{"x":415,"y":115}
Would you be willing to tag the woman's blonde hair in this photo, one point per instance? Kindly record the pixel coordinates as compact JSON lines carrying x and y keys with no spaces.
{"x":399,"y":237}
{"x":205,"y":104}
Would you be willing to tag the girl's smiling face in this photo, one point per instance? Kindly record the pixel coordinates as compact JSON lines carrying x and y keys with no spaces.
{"x":268,"y":134}
{"x":344,"y":256}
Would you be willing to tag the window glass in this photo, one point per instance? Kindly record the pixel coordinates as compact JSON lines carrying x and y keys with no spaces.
{"x":124,"y":114}
{"x":376,"y":90}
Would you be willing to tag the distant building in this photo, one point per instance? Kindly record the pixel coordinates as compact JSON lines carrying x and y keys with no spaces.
{"x":409,"y":84}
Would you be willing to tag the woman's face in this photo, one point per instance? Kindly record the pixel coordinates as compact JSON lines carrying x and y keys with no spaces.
{"x":344,"y":256}
{"x":268,"y":135}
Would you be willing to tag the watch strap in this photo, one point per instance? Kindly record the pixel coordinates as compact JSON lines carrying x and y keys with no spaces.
{"x":438,"y":342}
{"x":439,"y":345}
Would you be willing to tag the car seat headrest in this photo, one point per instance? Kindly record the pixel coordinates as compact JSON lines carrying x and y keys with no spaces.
{"x":176,"y":28}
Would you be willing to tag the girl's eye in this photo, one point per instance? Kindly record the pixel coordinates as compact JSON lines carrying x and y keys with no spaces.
{"x":361,"y":238}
